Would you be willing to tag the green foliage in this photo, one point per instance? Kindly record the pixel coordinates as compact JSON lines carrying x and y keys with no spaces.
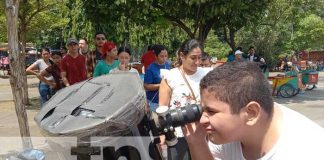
{"x":78,"y":25}
{"x":125,"y":22}
{"x":310,"y":33}
{"x":274,"y":27}
{"x":286,"y":28}
{"x":194,"y":17}
{"x":3,"y":24}
{"x":3,"y":29}
{"x":215,"y":48}
{"x":237,"y":15}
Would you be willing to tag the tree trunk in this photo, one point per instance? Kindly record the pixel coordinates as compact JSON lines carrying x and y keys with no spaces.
{"x":230,"y":39}
{"x":22,"y":39}
{"x":16,"y":77}
{"x":204,"y":30}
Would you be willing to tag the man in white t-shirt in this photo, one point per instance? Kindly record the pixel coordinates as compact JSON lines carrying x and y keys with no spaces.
{"x":241,"y":121}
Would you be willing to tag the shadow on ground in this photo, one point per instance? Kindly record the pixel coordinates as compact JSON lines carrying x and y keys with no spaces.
{"x":311,"y":96}
{"x":34,"y":104}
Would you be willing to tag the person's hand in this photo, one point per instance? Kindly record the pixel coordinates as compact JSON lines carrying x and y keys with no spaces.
{"x":122,"y":67}
{"x":52,"y":84}
{"x":194,"y":132}
{"x":38,"y":75}
{"x":162,"y":140}
{"x":196,"y":137}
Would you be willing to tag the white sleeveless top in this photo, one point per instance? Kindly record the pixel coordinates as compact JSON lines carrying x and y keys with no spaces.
{"x":181,"y":95}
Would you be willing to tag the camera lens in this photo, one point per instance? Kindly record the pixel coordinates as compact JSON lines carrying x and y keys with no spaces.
{"x":183,"y":115}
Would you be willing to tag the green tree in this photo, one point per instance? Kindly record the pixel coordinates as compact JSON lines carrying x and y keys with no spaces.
{"x":280,"y":30}
{"x":3,"y":27}
{"x":33,"y":15}
{"x":237,"y":16}
{"x":195,"y":18}
{"x":310,"y":33}
{"x":216,"y":48}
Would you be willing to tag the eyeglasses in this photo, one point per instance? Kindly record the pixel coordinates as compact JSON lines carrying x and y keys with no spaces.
{"x":100,"y":38}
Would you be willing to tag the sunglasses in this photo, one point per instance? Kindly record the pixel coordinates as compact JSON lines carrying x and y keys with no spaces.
{"x":72,"y":44}
{"x":100,"y":38}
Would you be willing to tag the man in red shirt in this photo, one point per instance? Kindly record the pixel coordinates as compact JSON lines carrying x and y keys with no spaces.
{"x":73,"y":65}
{"x":148,"y":57}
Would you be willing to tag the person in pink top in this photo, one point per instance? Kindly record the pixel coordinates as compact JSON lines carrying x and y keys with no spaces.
{"x":5,"y":62}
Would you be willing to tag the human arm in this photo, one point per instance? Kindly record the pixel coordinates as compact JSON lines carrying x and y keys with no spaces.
{"x":196,"y":138}
{"x":164,"y":93}
{"x":164,"y":99}
{"x":86,"y":67}
{"x":64,"y":78}
{"x":151,"y":87}
{"x":42,"y":78}
{"x":64,"y":72}
{"x":31,"y":69}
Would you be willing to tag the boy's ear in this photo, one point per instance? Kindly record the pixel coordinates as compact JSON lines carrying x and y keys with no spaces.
{"x":252,"y":113}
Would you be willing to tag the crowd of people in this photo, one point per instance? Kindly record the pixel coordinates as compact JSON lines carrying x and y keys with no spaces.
{"x":239,"y":55}
{"x":239,"y":119}
{"x":76,"y":62}
{"x":286,"y":64}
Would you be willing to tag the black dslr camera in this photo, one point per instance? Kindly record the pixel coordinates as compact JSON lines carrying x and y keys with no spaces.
{"x":164,"y":121}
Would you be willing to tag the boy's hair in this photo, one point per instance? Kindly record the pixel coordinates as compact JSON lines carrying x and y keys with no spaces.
{"x":158,"y":48}
{"x":205,"y":56}
{"x":237,"y":84}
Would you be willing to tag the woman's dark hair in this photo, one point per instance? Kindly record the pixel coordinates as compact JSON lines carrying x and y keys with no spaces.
{"x":56,"y":53}
{"x":239,"y":48}
{"x":186,"y":47}
{"x":149,"y":47}
{"x":124,"y":49}
{"x":237,"y":84}
{"x":46,"y":49}
{"x":63,"y":47}
{"x":158,"y":48}
{"x":100,"y":32}
{"x":205,"y":56}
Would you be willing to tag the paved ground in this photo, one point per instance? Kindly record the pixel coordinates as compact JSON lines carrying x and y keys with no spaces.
{"x":310,"y":103}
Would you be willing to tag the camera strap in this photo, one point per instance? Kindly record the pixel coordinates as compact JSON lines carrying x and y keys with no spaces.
{"x":154,"y":96}
{"x":185,"y":79}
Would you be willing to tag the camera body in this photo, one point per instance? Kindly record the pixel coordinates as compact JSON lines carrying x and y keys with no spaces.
{"x":164,"y":121}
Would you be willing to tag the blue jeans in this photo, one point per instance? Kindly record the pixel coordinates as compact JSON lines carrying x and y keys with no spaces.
{"x":45,"y":92}
{"x":153,"y":106}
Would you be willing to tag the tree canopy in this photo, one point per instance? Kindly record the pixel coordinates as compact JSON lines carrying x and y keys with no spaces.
{"x":273,"y":26}
{"x":195,"y":17}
